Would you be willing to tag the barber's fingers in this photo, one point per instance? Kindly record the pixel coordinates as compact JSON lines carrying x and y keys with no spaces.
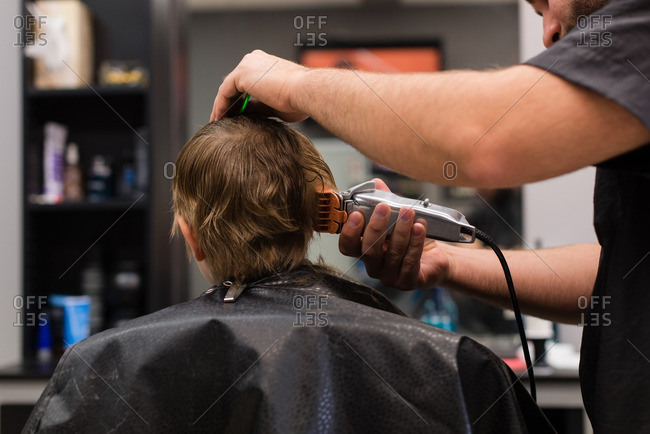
{"x":395,"y":262}
{"x":350,"y":237}
{"x":372,"y":244}
{"x":409,"y":272}
{"x":272,"y":81}
{"x":262,"y":109}
{"x":251,"y":68}
{"x":226,"y":97}
{"x":397,"y":246}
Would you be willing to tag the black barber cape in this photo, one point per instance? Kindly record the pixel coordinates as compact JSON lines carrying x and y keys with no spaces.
{"x":331,"y":357}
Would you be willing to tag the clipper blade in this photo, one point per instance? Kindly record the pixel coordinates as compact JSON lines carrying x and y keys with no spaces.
{"x":330,"y":218}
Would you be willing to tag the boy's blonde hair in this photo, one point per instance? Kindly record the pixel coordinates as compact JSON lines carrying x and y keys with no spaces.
{"x":247,"y":187}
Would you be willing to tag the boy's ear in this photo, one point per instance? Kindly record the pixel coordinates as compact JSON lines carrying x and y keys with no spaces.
{"x":190,"y":237}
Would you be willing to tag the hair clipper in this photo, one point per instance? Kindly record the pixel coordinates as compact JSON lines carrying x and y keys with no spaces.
{"x":443,"y":223}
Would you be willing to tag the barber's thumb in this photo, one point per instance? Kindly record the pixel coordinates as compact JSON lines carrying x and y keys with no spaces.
{"x":380,"y":184}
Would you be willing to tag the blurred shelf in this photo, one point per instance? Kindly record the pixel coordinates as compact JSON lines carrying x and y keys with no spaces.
{"x":218,"y":5}
{"x":113,"y":205}
{"x":108,"y":121}
{"x":29,"y":369}
{"x":112,"y":91}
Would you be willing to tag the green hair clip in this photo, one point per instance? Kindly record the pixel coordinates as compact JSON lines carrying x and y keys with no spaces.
{"x":245,"y":103}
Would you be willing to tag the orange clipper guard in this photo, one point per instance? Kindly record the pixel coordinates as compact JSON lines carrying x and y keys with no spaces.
{"x":330,"y":217}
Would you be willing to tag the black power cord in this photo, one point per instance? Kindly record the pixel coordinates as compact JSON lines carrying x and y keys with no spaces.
{"x":515,"y":307}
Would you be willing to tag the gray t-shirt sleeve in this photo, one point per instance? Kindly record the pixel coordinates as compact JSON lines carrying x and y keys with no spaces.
{"x":609,"y":53}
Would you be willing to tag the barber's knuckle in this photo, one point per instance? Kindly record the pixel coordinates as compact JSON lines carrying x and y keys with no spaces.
{"x":400,"y":239}
{"x":222,"y":87}
{"x":372,"y":248}
{"x":398,"y":246}
{"x":406,"y":284}
{"x":373,"y":255}
{"x":394,"y":256}
{"x":378,"y":223}
{"x":373,"y":271}
{"x":401,"y":245}
{"x":347,"y":249}
{"x":350,"y":234}
{"x":410,"y":265}
{"x":416,"y":242}
{"x":400,"y":284}
{"x":374,"y":230}
{"x":371,"y":259}
{"x":403,"y":227}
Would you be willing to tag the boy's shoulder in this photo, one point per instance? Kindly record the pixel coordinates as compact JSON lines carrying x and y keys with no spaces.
{"x":277,"y":353}
{"x":280,"y":307}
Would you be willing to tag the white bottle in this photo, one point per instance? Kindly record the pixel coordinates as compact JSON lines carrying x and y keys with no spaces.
{"x":73,"y":187}
{"x":54,"y":147}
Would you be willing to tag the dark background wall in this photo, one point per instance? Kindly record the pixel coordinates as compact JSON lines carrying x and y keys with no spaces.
{"x":474,"y":37}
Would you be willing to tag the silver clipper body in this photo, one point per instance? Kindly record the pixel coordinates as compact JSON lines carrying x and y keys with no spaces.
{"x":445,"y":224}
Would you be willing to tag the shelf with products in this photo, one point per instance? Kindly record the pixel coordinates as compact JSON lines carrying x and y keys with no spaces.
{"x":91,"y":164}
{"x":96,"y":220}
{"x":88,"y":266}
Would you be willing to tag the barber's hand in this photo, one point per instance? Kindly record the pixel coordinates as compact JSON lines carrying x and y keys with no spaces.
{"x":408,"y":260}
{"x":270,"y":80}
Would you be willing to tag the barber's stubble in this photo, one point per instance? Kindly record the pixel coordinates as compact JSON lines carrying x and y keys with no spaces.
{"x":581,"y":8}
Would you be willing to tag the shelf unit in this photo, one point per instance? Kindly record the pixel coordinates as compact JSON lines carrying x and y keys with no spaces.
{"x":59,"y":240}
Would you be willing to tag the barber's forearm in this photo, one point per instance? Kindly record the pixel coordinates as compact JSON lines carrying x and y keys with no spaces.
{"x":410,"y":122}
{"x":496,"y":127}
{"x":548,"y":282}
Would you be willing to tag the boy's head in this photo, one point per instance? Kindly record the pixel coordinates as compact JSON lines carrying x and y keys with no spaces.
{"x":245,"y":197}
